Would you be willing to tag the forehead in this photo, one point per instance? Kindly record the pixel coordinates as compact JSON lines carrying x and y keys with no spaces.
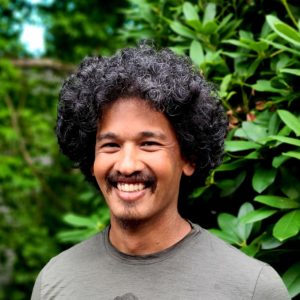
{"x":134,"y":115}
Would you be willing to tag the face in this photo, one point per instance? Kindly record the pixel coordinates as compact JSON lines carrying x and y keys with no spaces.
{"x":138,"y":164}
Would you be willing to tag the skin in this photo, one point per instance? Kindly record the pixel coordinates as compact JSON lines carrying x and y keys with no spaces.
{"x":136,"y":145}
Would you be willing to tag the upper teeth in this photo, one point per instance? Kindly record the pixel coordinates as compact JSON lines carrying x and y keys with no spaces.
{"x":126,"y":187}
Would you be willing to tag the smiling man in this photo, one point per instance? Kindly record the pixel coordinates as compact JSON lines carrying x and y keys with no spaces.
{"x":146,"y":128}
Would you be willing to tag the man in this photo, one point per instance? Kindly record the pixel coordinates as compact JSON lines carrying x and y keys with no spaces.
{"x":144,"y":126}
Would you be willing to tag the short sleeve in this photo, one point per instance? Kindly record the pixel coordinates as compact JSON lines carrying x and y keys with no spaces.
{"x":269,"y":286}
{"x":36,"y":292}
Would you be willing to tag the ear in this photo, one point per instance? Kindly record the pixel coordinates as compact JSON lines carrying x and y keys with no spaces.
{"x":92,"y":170}
{"x":188,"y":168}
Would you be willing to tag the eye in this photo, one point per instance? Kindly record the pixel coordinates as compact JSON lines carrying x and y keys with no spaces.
{"x":109,"y":147}
{"x":150,"y":145}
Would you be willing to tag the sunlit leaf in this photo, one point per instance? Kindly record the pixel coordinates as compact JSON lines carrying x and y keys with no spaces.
{"x":196,"y":53}
{"x":277,"y":201}
{"x":283,"y":30}
{"x":189,"y":11}
{"x":182,"y":30}
{"x":293,"y":154}
{"x":290,"y":120}
{"x":258,"y":215}
{"x":287,"y":226}
{"x":233,"y":146}
{"x":209,"y":12}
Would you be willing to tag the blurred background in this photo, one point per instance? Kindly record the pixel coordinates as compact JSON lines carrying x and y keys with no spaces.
{"x":249,"y":49}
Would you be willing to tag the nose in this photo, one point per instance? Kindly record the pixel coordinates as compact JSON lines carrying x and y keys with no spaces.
{"x":128,"y":161}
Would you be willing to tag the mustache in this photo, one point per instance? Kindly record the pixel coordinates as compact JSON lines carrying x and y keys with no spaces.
{"x":146,"y":177}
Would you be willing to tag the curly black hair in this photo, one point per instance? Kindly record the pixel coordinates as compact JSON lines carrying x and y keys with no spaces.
{"x":168,"y":82}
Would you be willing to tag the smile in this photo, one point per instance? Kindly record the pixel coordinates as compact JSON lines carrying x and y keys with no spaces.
{"x":130,"y":187}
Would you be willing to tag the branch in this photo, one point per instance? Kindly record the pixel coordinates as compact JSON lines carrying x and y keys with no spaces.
{"x":43,"y":63}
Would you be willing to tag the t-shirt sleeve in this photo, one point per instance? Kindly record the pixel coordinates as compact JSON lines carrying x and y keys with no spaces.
{"x":269,"y":286}
{"x":36,"y":292}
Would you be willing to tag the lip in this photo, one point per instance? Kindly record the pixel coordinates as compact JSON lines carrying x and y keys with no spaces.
{"x":130,"y":196}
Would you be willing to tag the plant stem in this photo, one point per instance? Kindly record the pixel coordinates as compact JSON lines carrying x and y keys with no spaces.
{"x":285,"y":4}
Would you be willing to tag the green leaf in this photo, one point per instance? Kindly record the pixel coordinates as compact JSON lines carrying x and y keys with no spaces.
{"x":282,"y":47}
{"x":229,"y":238}
{"x":283,"y":30}
{"x":233,"y":146}
{"x":293,"y":154}
{"x":182,"y":30}
{"x":258,"y":215}
{"x":198,"y":191}
{"x":269,"y":242}
{"x":263,"y":178}
{"x":290,"y":120}
{"x":287,"y":226}
{"x":290,"y":71}
{"x":277,"y":201}
{"x":291,"y":278}
{"x":209,"y":13}
{"x":229,"y":186}
{"x":265,"y":86}
{"x":76,"y":236}
{"x":196,"y":53}
{"x":224,"y":85}
{"x":232,"y":165}
{"x":209,"y":28}
{"x":244,"y":229}
{"x":279,"y":160}
{"x":228,"y":223}
{"x":287,"y":140}
{"x":189,"y":11}
{"x":79,"y":221}
{"x":254,"y":132}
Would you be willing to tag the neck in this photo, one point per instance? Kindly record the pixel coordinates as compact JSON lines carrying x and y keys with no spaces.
{"x":142,"y":238}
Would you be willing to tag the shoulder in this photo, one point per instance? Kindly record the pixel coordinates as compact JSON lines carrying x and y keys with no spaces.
{"x":80,"y":256}
{"x":261,"y":279}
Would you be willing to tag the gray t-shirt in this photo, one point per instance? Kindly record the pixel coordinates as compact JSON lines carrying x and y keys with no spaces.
{"x":200,"y":266}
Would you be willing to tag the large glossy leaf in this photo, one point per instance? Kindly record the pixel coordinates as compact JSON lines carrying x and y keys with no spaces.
{"x":277,"y":201}
{"x":287,"y":226}
{"x":263,"y":178}
{"x":291,"y":278}
{"x":228,"y":223}
{"x":233,"y":146}
{"x":253,"y":131}
{"x":258,"y":215}
{"x":290,"y":120}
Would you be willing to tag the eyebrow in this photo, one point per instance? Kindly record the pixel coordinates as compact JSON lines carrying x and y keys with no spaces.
{"x":142,"y":134}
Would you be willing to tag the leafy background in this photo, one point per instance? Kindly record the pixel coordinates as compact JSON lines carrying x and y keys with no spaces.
{"x":249,"y":49}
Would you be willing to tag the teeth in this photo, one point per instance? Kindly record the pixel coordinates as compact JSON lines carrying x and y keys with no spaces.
{"x":129,"y":187}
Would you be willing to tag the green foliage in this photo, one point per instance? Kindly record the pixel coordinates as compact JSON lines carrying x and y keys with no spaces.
{"x":256,"y":65}
{"x":252,"y":200}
